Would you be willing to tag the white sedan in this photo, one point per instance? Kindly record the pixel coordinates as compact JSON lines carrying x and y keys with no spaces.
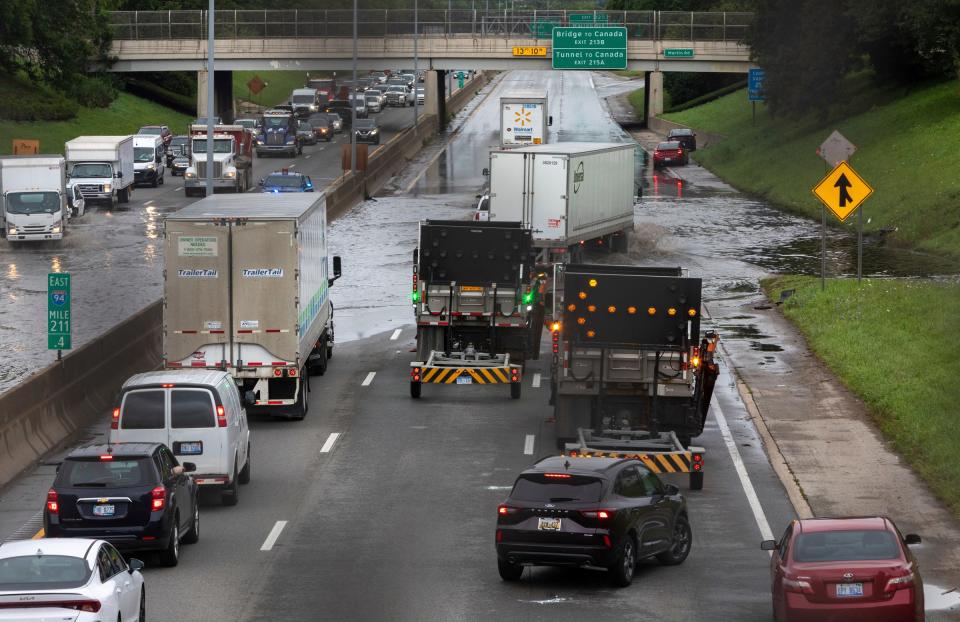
{"x":69,"y":579}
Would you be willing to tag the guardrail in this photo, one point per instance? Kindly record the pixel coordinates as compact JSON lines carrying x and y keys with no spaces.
{"x":314,"y":23}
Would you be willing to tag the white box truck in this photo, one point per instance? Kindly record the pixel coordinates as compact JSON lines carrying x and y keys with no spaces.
{"x":33,"y":201}
{"x":102,"y":167}
{"x":524,"y":118}
{"x":567,"y":193}
{"x":246,"y":289}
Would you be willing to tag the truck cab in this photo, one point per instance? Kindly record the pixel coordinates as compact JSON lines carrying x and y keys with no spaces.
{"x":279,"y":134}
{"x":228,"y":170}
{"x":102,"y":167}
{"x":33,"y":198}
{"x":305,"y":102}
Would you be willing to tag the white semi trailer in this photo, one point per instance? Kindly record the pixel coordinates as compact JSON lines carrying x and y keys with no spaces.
{"x":246,"y":289}
{"x":524,"y":118}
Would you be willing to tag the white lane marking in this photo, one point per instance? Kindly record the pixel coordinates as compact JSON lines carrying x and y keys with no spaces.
{"x":592,"y":87}
{"x":536,"y":381}
{"x":149,"y":203}
{"x":178,"y":188}
{"x":307,"y":157}
{"x":528,"y":445}
{"x":396,"y":334}
{"x":740,"y":467}
{"x":328,"y":444}
{"x":366,"y":381}
{"x":273,"y":535}
{"x":499,"y":487}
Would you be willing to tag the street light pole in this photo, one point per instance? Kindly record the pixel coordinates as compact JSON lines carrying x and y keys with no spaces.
{"x":416,"y":70}
{"x":210,"y":96}
{"x":353,"y":98}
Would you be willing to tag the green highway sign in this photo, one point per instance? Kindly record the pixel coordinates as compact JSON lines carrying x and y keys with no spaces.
{"x":678,"y":53}
{"x":58,"y":311}
{"x":459,"y":79}
{"x":590,"y":47}
{"x":541,"y":29}
{"x":588,"y":18}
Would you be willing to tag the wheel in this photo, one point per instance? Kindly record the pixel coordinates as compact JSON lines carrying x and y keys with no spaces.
{"x":171,"y":555}
{"x":696,"y":481}
{"x":244,"y":476}
{"x":515,"y":390}
{"x":193,"y":536}
{"x":319,"y":368}
{"x":162,"y":178}
{"x":680,"y":546}
{"x":621,"y":572}
{"x":124,"y":195}
{"x":301,"y":407}
{"x":415,"y":388}
{"x":231,"y":494}
{"x":508,"y":571}
{"x":142,"y":616}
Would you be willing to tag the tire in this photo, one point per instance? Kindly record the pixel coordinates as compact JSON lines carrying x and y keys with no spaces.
{"x":696,"y":481}
{"x":415,"y":388}
{"x":300,"y":408}
{"x":244,"y":477}
{"x":679,"y":545}
{"x":515,"y":390}
{"x":320,"y":367}
{"x":162,"y":178}
{"x":621,"y":572}
{"x":170,"y":556}
{"x":142,"y":616}
{"x":193,"y":536}
{"x":124,"y":195}
{"x":155,"y":182}
{"x":509,"y":572}
{"x":231,"y":494}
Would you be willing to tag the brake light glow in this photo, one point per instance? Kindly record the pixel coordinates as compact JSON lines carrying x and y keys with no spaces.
{"x":221,"y":417}
{"x":84,"y":604}
{"x":159,"y":501}
{"x":607,"y":542}
{"x":503,"y":510}
{"x":106,"y":457}
{"x":53,"y":506}
{"x":557,"y":475}
{"x":598,"y":514}
{"x":697,"y":462}
{"x":115,"y":420}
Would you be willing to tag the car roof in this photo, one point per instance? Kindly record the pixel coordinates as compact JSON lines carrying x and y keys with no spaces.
{"x":211,"y":377}
{"x":855,"y":523}
{"x":577,"y":466}
{"x":70,"y":547}
{"x":129,"y":450}
{"x":680,"y":131}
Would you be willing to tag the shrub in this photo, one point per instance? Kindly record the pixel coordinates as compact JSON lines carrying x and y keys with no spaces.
{"x":93,"y":91}
{"x":35,"y":106}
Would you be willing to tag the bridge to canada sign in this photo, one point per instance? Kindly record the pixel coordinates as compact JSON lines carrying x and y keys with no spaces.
{"x":590,"y":47}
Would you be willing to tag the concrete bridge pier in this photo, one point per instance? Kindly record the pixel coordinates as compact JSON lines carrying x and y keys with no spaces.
{"x":222,"y":95}
{"x":430,"y":97}
{"x":652,"y":95}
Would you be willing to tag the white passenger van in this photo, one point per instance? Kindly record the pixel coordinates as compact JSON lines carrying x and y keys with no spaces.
{"x":198,"y":414}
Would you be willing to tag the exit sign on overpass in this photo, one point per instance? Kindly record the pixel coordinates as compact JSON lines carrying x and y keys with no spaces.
{"x":678,"y":53}
{"x":590,"y":47}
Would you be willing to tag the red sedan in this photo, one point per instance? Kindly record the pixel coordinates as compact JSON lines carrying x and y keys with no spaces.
{"x":670,"y":153}
{"x":849,"y":569}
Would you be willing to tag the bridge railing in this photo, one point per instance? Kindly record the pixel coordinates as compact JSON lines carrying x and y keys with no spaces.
{"x":307,"y":23}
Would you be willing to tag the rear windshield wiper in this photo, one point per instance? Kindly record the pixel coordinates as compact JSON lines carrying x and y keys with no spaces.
{"x":561,"y":499}
{"x":90,"y":484}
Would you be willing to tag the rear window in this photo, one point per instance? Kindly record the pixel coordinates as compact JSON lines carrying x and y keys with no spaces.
{"x":191,"y":409}
{"x":116,"y":473}
{"x":557,"y":489}
{"x":673,"y":145}
{"x":831,"y":546}
{"x":42,"y":572}
{"x":142,"y":410}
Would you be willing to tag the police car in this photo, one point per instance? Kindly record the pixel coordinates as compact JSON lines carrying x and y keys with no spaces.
{"x":286,"y":181}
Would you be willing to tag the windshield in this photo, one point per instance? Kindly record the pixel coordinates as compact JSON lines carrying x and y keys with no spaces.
{"x":43,"y":572}
{"x":143,"y":154}
{"x":832,"y":546}
{"x":668,"y":146}
{"x":569,"y":488}
{"x":92,"y":170}
{"x":247,"y":123}
{"x":276,"y":122}
{"x":397,"y":88}
{"x":153,"y":131}
{"x":33,"y":203}
{"x":283,"y":181}
{"x":303,"y":99}
{"x":97,"y":473}
{"x":372,"y":97}
{"x":304,"y":126}
{"x":179,"y":140}
{"x":365,"y":124}
{"x":220,"y":145}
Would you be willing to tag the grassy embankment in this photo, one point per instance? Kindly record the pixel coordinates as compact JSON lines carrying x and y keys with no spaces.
{"x":907,"y":150}
{"x":893,"y":343}
{"x":279,"y":85}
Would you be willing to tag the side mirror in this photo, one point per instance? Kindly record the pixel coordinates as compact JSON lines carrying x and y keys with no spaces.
{"x":250,"y":398}
{"x":911,"y":538}
{"x":768,"y":545}
{"x":671,"y":489}
{"x":485,"y":172}
{"x":68,"y":175}
{"x":550,"y":120}
{"x":337,"y":269}
{"x":189,"y":467}
{"x":134,"y":565}
{"x":118,"y":174}
{"x":416,"y":255}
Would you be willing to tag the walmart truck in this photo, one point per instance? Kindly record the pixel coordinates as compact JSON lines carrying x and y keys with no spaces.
{"x":524,"y":118}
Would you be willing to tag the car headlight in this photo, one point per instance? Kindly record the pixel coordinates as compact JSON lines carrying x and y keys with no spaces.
{"x":151,"y":166}
{"x":12,"y":230}
{"x":313,"y":108}
{"x":230,"y":174}
{"x":259,"y":141}
{"x":374,"y":131}
{"x":107,"y":187}
{"x":56,"y":229}
{"x":189,"y":174}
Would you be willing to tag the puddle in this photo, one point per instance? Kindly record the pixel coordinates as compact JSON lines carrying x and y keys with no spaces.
{"x":937,"y":598}
{"x":765,"y":347}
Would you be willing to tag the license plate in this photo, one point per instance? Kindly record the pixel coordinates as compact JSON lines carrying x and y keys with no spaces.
{"x":849,"y":590}
{"x":104,"y":510}
{"x":464,"y":380}
{"x":192,"y":448}
{"x":548,"y":524}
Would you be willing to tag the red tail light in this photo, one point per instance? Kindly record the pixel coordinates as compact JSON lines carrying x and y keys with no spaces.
{"x":106,"y":457}
{"x":904,"y":582}
{"x":84,"y":604}
{"x":503,"y":510}
{"x":115,"y":420}
{"x":798,"y":586}
{"x":697,"y":462}
{"x":159,"y":495}
{"x":607,"y":542}
{"x":557,"y":475}
{"x":53,"y":506}
{"x":221,"y":417}
{"x":499,"y":535}
{"x":598,"y":514}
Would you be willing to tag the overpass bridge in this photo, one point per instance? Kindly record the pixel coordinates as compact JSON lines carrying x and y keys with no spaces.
{"x":322,"y":40}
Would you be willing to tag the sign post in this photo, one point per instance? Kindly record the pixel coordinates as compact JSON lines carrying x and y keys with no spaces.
{"x":842,"y":191}
{"x":589,"y":47}
{"x":834,"y":150}
{"x":58,"y":313}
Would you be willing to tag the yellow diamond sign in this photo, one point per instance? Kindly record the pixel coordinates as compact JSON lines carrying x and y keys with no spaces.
{"x":842,"y":190}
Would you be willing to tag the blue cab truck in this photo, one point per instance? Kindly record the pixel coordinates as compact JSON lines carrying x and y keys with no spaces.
{"x":278,"y":134}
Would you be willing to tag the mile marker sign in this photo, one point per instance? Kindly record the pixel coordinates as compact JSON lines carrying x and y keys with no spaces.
{"x":58,"y":311}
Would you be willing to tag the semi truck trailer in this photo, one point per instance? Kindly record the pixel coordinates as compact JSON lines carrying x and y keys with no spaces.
{"x":524,"y":118}
{"x":246,"y":290}
{"x":102,"y":168}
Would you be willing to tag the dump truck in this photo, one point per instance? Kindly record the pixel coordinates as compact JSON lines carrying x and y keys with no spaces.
{"x":232,"y":159}
{"x":631,"y":374}
{"x":246,"y":290}
{"x":474,"y":295}
{"x":524,"y":118}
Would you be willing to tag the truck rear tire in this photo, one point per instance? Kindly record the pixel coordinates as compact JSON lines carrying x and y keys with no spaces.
{"x":319,"y":367}
{"x":415,"y":389}
{"x":124,"y":195}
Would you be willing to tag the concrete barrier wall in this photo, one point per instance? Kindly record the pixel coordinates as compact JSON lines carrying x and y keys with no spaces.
{"x":662,"y":126}
{"x":48,"y":408}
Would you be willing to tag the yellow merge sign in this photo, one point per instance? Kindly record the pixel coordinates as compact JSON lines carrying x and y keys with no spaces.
{"x":842,"y":190}
{"x":530,"y":51}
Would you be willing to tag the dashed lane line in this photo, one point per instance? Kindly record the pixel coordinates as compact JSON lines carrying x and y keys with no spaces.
{"x":396,"y":334}
{"x":369,"y":379}
{"x":273,"y":535}
{"x":528,"y":445}
{"x":536,"y":381}
{"x":330,"y":442}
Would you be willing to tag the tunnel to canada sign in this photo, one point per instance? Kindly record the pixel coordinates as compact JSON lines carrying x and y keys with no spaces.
{"x":590,"y":47}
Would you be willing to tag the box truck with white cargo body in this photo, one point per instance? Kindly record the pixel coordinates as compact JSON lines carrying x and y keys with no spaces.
{"x":33,"y":201}
{"x":246,"y":289}
{"x":102,"y":168}
{"x":568,"y":194}
{"x":524,"y":118}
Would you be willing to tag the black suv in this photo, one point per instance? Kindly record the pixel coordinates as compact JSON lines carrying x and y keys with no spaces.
{"x":134,"y":495}
{"x":686,"y":137}
{"x":605,"y":512}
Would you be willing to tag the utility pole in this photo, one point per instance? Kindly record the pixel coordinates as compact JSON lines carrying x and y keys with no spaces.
{"x":353,"y":98}
{"x":416,"y":70}
{"x":210,"y":95}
